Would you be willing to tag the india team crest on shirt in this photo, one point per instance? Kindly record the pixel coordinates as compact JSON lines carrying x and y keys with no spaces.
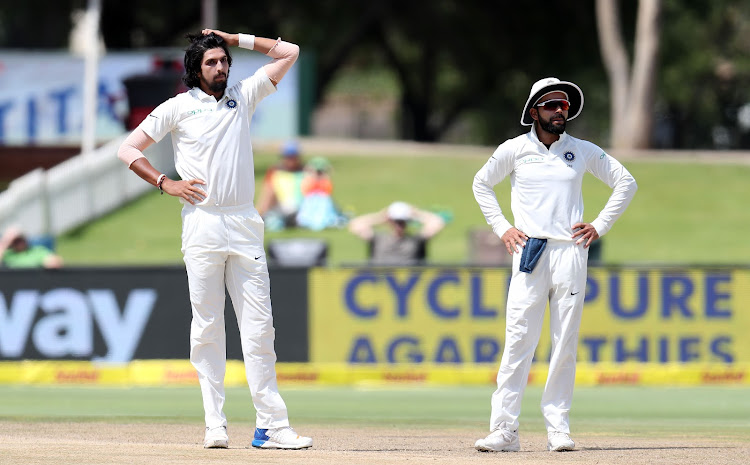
{"x":231,"y":103}
{"x":569,"y":156}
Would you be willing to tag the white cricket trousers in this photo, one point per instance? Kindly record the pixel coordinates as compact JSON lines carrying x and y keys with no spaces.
{"x":223,"y":246}
{"x":560,"y":279}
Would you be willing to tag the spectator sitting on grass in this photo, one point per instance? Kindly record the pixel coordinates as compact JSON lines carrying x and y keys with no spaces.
{"x":281,"y":195}
{"x":318,"y":210}
{"x":17,"y":253}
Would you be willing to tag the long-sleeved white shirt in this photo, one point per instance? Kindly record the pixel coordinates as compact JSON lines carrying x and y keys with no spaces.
{"x":546,"y":196}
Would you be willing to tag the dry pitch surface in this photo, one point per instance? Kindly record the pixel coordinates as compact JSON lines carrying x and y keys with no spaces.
{"x":104,"y":443}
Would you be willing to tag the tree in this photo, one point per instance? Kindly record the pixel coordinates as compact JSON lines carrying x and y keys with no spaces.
{"x":453,"y":58}
{"x":704,"y":76}
{"x":632,"y":91}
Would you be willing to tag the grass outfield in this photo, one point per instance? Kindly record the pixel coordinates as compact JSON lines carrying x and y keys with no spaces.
{"x":720,"y":412}
{"x":693,"y":213}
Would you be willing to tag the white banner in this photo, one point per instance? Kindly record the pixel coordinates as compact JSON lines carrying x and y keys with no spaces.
{"x":41,"y":95}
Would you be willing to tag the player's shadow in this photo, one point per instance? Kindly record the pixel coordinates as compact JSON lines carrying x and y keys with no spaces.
{"x":652,"y":448}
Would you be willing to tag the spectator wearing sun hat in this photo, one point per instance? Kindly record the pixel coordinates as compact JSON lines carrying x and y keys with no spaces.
{"x":396,"y":244}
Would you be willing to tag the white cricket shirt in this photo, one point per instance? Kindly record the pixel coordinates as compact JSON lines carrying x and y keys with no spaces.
{"x":546,"y":196}
{"x":211,"y":140}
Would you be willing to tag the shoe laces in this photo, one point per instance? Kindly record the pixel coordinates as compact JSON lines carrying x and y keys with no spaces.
{"x":219,"y":432}
{"x":505,"y":433}
{"x":283,"y":434}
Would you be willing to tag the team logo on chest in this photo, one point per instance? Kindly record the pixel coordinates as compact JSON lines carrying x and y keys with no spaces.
{"x":569,"y":156}
{"x":232,"y":103}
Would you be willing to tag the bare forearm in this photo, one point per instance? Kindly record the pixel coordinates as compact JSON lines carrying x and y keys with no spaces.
{"x":431,"y":223}
{"x":146,"y":171}
{"x":284,"y":54}
{"x":261,"y":44}
{"x":363,"y":226}
{"x":264,"y":44}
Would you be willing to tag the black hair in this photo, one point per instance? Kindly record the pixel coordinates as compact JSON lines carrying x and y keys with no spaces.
{"x":199,"y":43}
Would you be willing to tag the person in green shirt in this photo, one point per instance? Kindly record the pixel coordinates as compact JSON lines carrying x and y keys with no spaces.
{"x":16,"y":252}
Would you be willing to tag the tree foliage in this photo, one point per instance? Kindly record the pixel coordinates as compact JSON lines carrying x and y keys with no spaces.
{"x":705,"y":73}
{"x":457,"y":61}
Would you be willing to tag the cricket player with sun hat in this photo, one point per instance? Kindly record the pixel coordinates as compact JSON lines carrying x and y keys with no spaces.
{"x":549,"y":244}
{"x":222,"y":233}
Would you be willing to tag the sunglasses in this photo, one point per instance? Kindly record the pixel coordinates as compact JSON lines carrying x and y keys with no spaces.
{"x":551,"y":105}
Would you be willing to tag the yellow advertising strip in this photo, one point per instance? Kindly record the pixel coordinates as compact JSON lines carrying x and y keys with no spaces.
{"x":181,"y":373}
{"x":691,"y":316}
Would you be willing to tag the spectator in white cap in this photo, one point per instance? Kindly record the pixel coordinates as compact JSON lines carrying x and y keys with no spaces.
{"x":396,"y":244}
{"x":549,"y":243}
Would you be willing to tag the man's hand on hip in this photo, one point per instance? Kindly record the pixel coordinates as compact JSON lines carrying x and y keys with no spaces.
{"x":512,"y":238}
{"x":185,"y":189}
{"x":586,"y":232}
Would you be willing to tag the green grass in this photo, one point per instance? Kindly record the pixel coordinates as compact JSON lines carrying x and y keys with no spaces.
{"x":692,"y":213}
{"x":721,"y":412}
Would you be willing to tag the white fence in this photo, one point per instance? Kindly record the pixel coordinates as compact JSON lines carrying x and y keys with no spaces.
{"x":78,"y":190}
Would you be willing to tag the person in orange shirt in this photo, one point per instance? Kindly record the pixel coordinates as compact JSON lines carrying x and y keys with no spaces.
{"x":318,"y":210}
{"x":317,"y":178}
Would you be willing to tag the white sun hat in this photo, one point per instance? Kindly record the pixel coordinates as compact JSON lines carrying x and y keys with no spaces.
{"x":552,"y":84}
{"x":399,"y":211}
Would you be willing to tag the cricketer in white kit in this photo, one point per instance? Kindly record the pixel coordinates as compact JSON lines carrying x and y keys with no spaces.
{"x":549,"y":244}
{"x":222,"y":233}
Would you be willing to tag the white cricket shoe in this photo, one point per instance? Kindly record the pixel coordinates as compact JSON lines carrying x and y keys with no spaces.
{"x":500,"y":440}
{"x":216,"y":438}
{"x":280,"y":438}
{"x":558,"y":441}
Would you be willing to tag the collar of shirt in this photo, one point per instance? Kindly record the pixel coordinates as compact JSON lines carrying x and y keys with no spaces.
{"x":534,"y":137}
{"x":198,"y":93}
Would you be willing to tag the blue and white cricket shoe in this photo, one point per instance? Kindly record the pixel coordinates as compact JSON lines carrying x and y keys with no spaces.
{"x":280,"y":438}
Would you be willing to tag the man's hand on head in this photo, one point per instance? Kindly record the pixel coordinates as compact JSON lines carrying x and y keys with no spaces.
{"x":232,"y":40}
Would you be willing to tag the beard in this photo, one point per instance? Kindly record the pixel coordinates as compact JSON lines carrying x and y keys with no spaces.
{"x":214,"y":85}
{"x":218,"y":86}
{"x":552,"y":128}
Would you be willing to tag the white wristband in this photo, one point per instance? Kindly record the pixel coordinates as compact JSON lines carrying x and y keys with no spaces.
{"x":247,"y":41}
{"x":160,"y":180}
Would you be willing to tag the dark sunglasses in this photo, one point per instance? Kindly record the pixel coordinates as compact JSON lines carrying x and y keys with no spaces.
{"x":551,"y":105}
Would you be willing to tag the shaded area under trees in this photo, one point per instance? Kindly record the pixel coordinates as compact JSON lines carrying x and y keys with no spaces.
{"x":469,"y":60}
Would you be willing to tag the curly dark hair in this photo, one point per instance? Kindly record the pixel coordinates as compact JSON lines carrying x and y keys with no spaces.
{"x":199,"y":43}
